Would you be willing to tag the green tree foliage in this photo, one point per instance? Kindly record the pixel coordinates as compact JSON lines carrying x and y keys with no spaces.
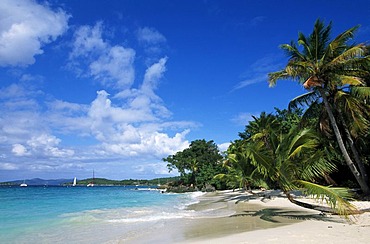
{"x":198,"y":163}
{"x":274,"y":151}
{"x":240,"y":172}
{"x":333,"y":71}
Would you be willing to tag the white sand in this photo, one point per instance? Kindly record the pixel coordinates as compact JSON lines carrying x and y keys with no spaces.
{"x":333,"y":230}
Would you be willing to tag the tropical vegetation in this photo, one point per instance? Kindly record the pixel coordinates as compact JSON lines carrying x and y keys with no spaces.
{"x":198,"y":164}
{"x":320,"y":142}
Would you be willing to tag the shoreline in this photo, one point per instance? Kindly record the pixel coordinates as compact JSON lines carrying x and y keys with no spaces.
{"x":315,"y":227}
{"x":267,"y":217}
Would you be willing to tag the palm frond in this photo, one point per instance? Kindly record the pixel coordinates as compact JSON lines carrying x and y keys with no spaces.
{"x":355,"y":51}
{"x":335,"y":197}
{"x":344,"y":37}
{"x":318,"y":40}
{"x":220,"y":176}
{"x":262,"y":161}
{"x":338,"y":44}
{"x":303,"y":100}
{"x":300,"y":70}
{"x":301,"y":140}
{"x":292,"y":51}
{"x":350,"y":80}
{"x":302,"y":40}
{"x":354,"y":110}
{"x":361,"y":92}
{"x":316,"y":165}
{"x":273,"y":77}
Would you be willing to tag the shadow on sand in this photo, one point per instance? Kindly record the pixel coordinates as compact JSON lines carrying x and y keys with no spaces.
{"x":271,"y":214}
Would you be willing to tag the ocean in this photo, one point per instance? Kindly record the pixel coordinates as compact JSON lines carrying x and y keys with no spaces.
{"x":114,"y":214}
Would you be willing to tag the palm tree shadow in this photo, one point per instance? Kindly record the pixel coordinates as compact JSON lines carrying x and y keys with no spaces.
{"x":269,"y":214}
{"x":262,"y":196}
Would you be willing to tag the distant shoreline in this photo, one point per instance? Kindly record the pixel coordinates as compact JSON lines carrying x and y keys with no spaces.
{"x":97,"y":181}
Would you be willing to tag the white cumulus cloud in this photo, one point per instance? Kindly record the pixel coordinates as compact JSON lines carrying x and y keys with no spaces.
{"x":112,"y":66}
{"x":47,"y":145}
{"x":19,"y":150}
{"x":25,"y":28}
{"x":130,"y":127}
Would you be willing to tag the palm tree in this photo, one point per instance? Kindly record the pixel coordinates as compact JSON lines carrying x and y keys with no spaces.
{"x":240,"y":171}
{"x":298,"y":161}
{"x":324,"y":67}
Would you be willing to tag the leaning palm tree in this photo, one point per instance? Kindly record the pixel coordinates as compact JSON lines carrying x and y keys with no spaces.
{"x":298,"y":161}
{"x":325,"y":67}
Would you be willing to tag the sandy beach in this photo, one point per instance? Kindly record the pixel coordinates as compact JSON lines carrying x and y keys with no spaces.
{"x":268,"y":217}
{"x":314,"y":227}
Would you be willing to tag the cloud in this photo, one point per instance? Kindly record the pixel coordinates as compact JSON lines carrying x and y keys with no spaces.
{"x":153,"y":74}
{"x":257,"y":72}
{"x":25,"y":28}
{"x":132,"y":126}
{"x":19,"y":150}
{"x":68,"y":118}
{"x":257,"y":20}
{"x":111,"y":66}
{"x":132,"y":130}
{"x":136,"y":128}
{"x":115,"y":68}
{"x":24,"y":124}
{"x":144,"y":99}
{"x":134,"y":142}
{"x":8,"y":166}
{"x":153,"y":42}
{"x":250,"y":81}
{"x":42,"y":145}
{"x":88,"y":41}
{"x":242,"y":118}
{"x":152,"y":169}
{"x":150,"y":36}
{"x":224,"y":146}
{"x":47,"y":145}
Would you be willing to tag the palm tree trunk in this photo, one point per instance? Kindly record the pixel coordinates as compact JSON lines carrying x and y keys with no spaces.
{"x":354,"y":150}
{"x":363,"y":184}
{"x":316,"y":207}
{"x":329,"y":180}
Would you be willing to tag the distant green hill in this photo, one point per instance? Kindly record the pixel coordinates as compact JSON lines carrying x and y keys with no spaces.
{"x":97,"y":181}
{"x":103,"y":181}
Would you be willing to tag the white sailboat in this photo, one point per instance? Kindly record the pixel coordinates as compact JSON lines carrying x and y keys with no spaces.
{"x":74,"y":182}
{"x":23,"y":184}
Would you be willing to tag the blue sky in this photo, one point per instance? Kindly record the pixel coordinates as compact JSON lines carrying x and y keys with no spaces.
{"x":115,"y":86}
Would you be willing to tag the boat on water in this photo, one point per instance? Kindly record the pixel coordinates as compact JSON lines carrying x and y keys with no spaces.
{"x":92,"y":182}
{"x":23,"y":184}
{"x":74,"y":182}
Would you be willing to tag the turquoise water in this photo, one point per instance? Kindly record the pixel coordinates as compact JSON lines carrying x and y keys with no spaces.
{"x":85,"y":214}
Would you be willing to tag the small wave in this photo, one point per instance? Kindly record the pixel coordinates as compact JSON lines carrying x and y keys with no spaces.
{"x":147,"y":218}
{"x":189,"y":199}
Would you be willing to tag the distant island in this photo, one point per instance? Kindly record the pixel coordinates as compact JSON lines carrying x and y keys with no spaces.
{"x":97,"y":182}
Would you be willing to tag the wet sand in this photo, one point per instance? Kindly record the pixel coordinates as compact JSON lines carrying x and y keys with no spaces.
{"x":227,"y":214}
